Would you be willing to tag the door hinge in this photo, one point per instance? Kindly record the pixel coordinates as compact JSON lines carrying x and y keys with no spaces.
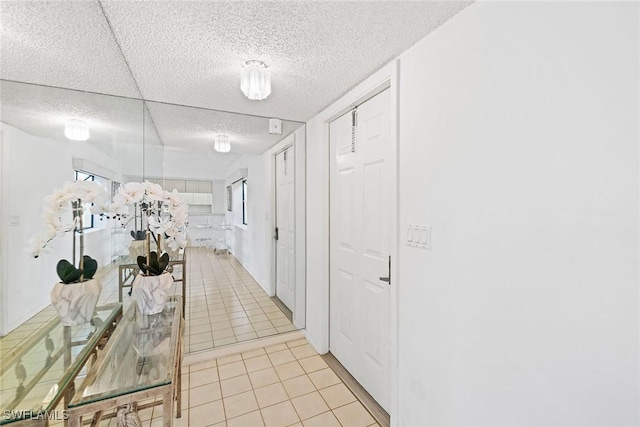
{"x":276,"y":235}
{"x":353,"y":129}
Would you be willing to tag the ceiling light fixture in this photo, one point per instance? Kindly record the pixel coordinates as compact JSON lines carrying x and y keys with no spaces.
{"x":255,"y":80}
{"x":222,"y":144}
{"x":76,"y":130}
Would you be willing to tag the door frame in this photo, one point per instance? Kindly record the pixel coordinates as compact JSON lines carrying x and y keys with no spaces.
{"x":297,"y":139}
{"x":274,"y":261}
{"x":386,"y":78}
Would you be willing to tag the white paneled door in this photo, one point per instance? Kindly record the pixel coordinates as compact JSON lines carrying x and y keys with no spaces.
{"x":285,"y":231}
{"x":362,"y":150}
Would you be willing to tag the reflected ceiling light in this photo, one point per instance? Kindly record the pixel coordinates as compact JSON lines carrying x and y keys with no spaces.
{"x":76,"y":130}
{"x":255,"y":80}
{"x":222,"y":144}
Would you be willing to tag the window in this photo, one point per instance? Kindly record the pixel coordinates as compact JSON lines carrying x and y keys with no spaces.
{"x":244,"y":201}
{"x":87,"y":216}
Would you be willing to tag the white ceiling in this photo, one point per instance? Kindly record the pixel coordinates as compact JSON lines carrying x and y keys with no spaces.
{"x":191,"y":53}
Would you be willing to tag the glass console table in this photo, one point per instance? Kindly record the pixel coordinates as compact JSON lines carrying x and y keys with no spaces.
{"x":40,"y":372}
{"x":142,"y":360}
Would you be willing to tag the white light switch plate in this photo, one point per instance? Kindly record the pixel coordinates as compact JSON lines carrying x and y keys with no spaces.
{"x":419,"y":236}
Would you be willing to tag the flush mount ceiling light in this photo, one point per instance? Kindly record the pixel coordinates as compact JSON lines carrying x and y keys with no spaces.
{"x":76,"y":130}
{"x":222,"y":144}
{"x":255,"y":80}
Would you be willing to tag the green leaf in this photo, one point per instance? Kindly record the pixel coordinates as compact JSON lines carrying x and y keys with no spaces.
{"x":73,"y":276}
{"x":90,"y":267}
{"x":63,"y":264}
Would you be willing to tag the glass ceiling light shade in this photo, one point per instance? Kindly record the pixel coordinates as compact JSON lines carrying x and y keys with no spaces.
{"x":255,"y":80}
{"x":76,"y":130}
{"x":222,"y":144}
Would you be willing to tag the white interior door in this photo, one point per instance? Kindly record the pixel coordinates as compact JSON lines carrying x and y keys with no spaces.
{"x":360,"y":236}
{"x":285,"y":194}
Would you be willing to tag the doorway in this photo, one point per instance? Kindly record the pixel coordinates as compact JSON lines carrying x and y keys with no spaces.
{"x":362,"y":178}
{"x":285,"y":227}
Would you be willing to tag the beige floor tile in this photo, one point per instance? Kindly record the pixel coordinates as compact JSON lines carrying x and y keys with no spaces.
{"x":266,"y":332}
{"x":296,"y":343}
{"x":309,"y":405}
{"x":244,"y":329}
{"x":270,"y":395}
{"x":281,"y":322}
{"x":298,"y":386}
{"x":219,"y":326}
{"x":279,"y":415}
{"x":200,"y":338}
{"x":200,"y":366}
{"x":264,"y":377}
{"x":238,"y":315}
{"x":324,"y":378}
{"x":222,"y":333}
{"x":261,"y":326}
{"x":240,"y":321}
{"x":323,"y":420}
{"x":252,"y":419}
{"x":281,"y":357}
{"x":313,"y":363}
{"x":198,"y":321}
{"x":202,"y":377}
{"x":231,"y":370}
{"x":199,"y":329}
{"x":253,"y":353}
{"x":257,"y":363}
{"x":286,"y":328}
{"x":229,"y":359}
{"x":258,"y":318}
{"x":289,"y":370}
{"x":303,"y":351}
{"x":353,"y":415}
{"x":207,"y":414}
{"x":225,"y":341}
{"x":204,"y":394}
{"x":246,"y":337}
{"x":193,"y":348}
{"x":337,"y":395}
{"x":240,"y":404}
{"x":235,"y":385}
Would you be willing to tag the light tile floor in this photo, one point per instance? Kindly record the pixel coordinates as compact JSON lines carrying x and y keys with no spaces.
{"x":283,"y":385}
{"x":225,"y":304}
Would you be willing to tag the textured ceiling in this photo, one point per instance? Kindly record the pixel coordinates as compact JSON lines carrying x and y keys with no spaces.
{"x":191,"y":53}
{"x":195,"y":128}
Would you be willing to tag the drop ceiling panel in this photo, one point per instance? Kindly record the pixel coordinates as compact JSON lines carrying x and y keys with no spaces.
{"x":64,"y":44}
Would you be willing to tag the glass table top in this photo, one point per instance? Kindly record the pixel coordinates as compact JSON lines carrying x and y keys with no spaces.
{"x":34,"y":375}
{"x":140,"y":355}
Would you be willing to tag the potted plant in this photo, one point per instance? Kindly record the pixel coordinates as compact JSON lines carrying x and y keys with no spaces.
{"x":76,"y":295}
{"x":165,"y":218}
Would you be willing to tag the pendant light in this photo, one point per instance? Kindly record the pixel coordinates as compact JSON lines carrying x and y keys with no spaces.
{"x":255,"y":80}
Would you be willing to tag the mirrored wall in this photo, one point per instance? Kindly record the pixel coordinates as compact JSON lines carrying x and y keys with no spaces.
{"x":134,"y":140}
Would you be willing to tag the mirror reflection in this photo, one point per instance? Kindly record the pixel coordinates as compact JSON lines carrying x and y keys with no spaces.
{"x":241,"y":283}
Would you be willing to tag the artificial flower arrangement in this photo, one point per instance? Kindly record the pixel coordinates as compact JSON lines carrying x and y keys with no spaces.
{"x":151,"y":285}
{"x":75,"y":304}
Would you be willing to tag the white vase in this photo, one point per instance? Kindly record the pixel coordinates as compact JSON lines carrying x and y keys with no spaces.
{"x":76,"y":302}
{"x":151,"y":292}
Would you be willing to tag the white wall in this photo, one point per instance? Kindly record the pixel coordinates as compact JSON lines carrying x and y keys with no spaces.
{"x":31,"y":168}
{"x":519,"y":146}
